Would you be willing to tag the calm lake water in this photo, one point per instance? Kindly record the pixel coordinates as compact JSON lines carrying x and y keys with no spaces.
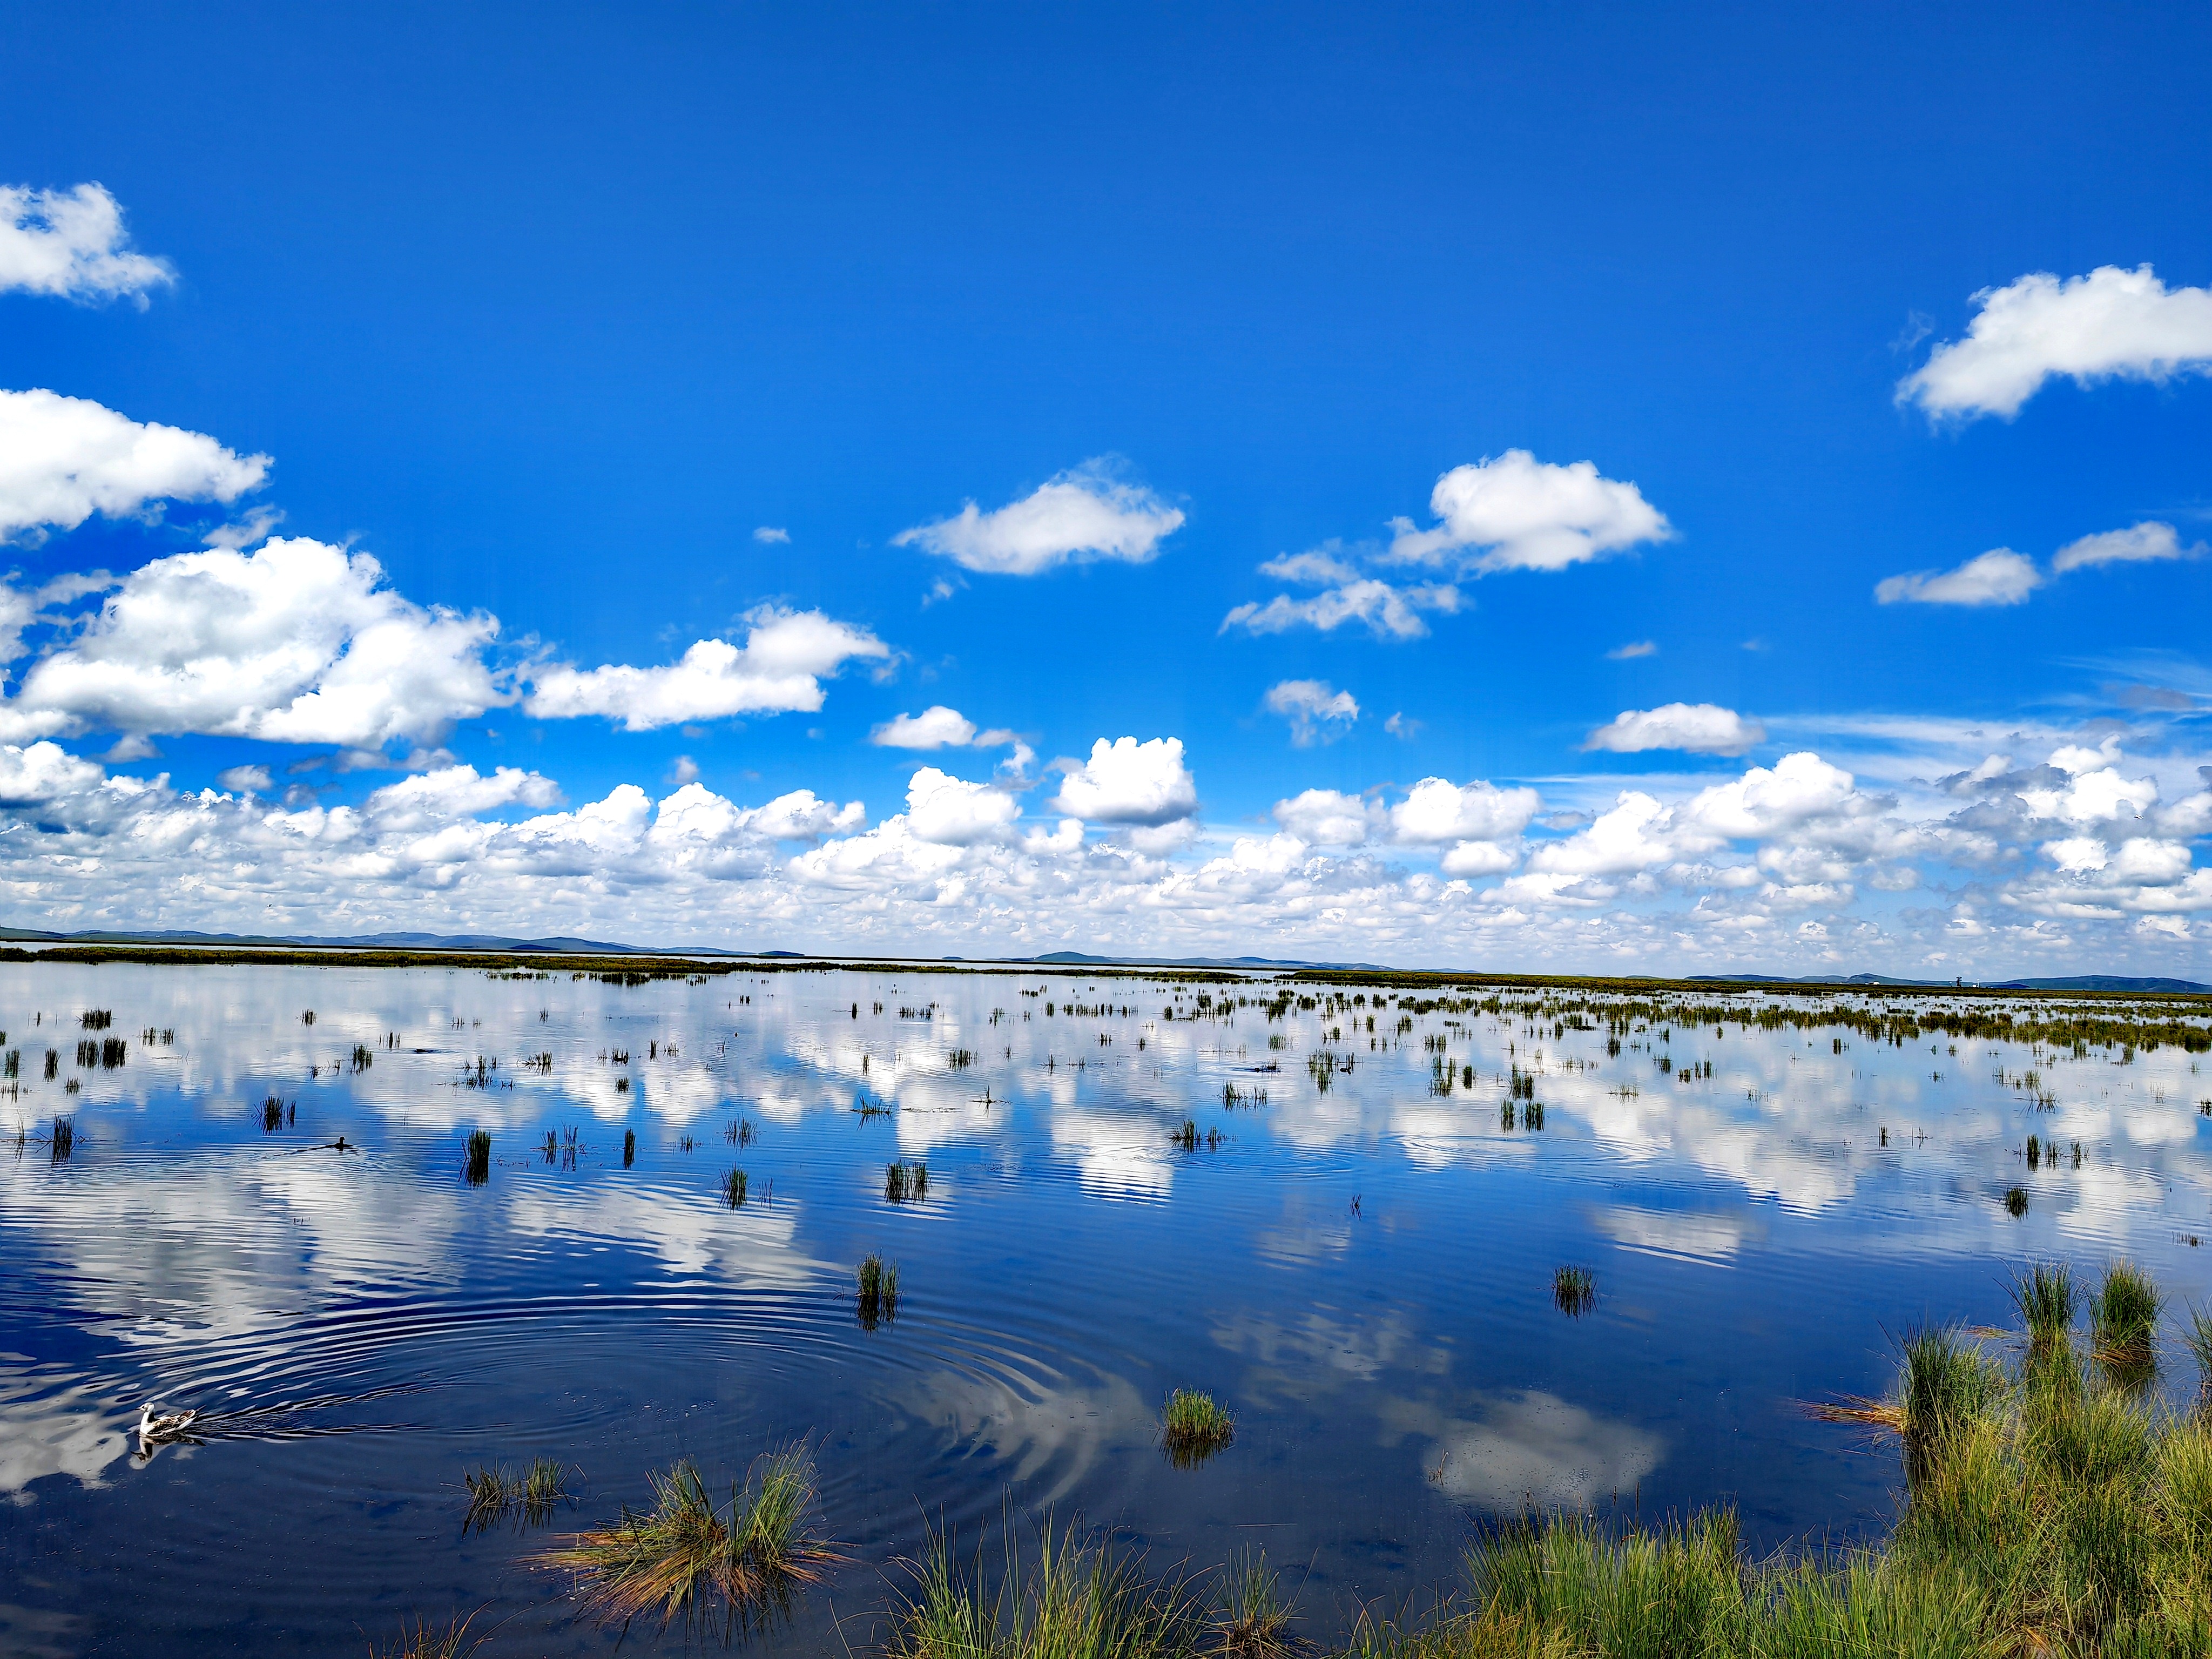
{"x":1362,"y":1273}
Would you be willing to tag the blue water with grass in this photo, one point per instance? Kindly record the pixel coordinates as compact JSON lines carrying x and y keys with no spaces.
{"x":1361,"y":1272}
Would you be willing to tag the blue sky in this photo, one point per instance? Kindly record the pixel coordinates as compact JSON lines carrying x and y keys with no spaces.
{"x":551,"y":311}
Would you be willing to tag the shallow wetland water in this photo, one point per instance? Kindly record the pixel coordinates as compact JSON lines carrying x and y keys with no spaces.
{"x":1359,"y":1264}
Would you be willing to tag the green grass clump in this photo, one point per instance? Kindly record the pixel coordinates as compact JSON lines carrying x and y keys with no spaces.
{"x":496,"y":1492}
{"x":1249,"y":1617}
{"x":879,"y":1291}
{"x":2123,"y":1318}
{"x":2197,"y":1335}
{"x":1574,"y":1290}
{"x":687,"y":1552}
{"x":1193,"y":1426}
{"x":478,"y":1166}
{"x":734,"y":1188}
{"x":1068,"y":1594}
{"x":424,"y":1641}
{"x":2046,"y":1296}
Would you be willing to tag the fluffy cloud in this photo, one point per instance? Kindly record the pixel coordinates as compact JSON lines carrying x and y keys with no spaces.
{"x":42,"y":773}
{"x":2111,"y":324}
{"x":952,"y":813}
{"x":71,"y":244}
{"x":454,"y":791}
{"x":1082,"y":514}
{"x":1126,"y":781}
{"x":2150,"y":540}
{"x":1387,"y":611}
{"x":935,"y":727}
{"x":1325,"y":818}
{"x":298,"y":642}
{"x":785,"y":657}
{"x":1316,"y":709}
{"x":1999,"y":576}
{"x":63,"y":459}
{"x":1775,"y":858}
{"x":1435,"y":811}
{"x":1696,"y":728}
{"x":1526,"y":514}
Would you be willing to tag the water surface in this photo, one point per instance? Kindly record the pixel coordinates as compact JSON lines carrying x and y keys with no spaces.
{"x":1358,"y":1266}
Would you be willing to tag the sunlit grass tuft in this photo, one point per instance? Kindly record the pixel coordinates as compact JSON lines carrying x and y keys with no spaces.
{"x":688,"y":1552}
{"x":1193,"y":1426}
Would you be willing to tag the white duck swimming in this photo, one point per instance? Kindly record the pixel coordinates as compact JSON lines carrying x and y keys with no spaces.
{"x":157,"y":1428}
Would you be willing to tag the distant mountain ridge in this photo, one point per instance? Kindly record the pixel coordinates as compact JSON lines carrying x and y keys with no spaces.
{"x":2117,"y":983}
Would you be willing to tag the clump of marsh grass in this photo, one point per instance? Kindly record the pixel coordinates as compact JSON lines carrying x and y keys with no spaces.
{"x":426,"y":1642}
{"x":734,"y":1188}
{"x":2197,"y":1335}
{"x":61,"y":1141}
{"x":878,"y":1291}
{"x":1249,"y":1617}
{"x":1945,"y":1383}
{"x":477,"y":1167}
{"x":688,"y":1552}
{"x":2046,"y":1296}
{"x":2015,"y":1202}
{"x":272,"y":1115}
{"x":1067,"y":1594}
{"x":2124,"y":1320}
{"x":496,"y":1491}
{"x":906,"y":1182}
{"x":1193,"y":1426}
{"x":1574,"y":1290}
{"x":629,"y":1147}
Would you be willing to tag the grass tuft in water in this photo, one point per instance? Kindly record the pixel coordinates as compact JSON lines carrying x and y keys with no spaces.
{"x":878,"y":1291}
{"x":2046,"y":1296}
{"x":2124,"y":1320}
{"x":1193,"y":1426}
{"x":61,"y":1141}
{"x":2196,"y":1336}
{"x":688,"y":1552}
{"x":425,"y":1642}
{"x":478,"y":1166}
{"x":734,"y":1188}
{"x":1250,"y":1619}
{"x":1065,"y":1595}
{"x":496,"y":1491}
{"x":1574,"y":1290}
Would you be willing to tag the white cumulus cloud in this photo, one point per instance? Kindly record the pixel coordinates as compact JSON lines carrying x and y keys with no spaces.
{"x":951,"y":811}
{"x":297,"y":642}
{"x":1126,"y":781}
{"x":1081,"y":514}
{"x":2110,"y":325}
{"x":2150,"y":540}
{"x":63,"y":459}
{"x":1327,"y":817}
{"x":1696,"y":728}
{"x":1436,"y":810}
{"x":1316,"y":710}
{"x":1999,"y":576}
{"x":935,"y":727}
{"x":71,"y":244}
{"x":1516,"y":513}
{"x":779,"y":669}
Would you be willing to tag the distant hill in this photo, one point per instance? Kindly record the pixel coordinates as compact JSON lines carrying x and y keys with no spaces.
{"x":1081,"y":959}
{"x":2116,"y":983}
{"x":2099,"y":982}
